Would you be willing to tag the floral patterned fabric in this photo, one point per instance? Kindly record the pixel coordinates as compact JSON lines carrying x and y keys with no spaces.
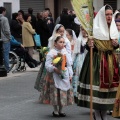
{"x":51,"y":95}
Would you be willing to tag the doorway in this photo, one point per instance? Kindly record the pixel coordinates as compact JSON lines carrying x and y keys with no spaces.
{"x":8,"y":7}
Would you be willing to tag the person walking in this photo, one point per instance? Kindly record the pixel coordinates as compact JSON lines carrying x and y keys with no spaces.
{"x":57,"y":90}
{"x":105,"y":67}
{"x":5,"y":36}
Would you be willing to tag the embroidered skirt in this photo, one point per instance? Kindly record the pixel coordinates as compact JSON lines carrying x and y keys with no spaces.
{"x":103,"y":99}
{"x":51,"y":95}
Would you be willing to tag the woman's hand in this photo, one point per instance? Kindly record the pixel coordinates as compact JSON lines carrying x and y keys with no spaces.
{"x":22,"y":46}
{"x":57,"y":70}
{"x":91,"y":43}
{"x":115,"y":42}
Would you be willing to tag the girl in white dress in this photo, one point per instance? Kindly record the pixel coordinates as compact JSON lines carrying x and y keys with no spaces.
{"x":71,"y":37}
{"x":57,"y":91}
{"x":78,"y":56}
{"x":60,"y":30}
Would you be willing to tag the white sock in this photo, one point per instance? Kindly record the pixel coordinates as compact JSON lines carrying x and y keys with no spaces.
{"x":60,"y":109}
{"x":97,"y":115}
{"x":104,"y":115}
{"x":55,"y":109}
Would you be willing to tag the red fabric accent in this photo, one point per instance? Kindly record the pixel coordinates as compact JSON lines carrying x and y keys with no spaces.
{"x":104,"y":75}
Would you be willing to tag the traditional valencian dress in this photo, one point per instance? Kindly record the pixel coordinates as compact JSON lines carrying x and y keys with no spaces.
{"x":57,"y":91}
{"x":105,"y":67}
{"x":39,"y":83}
{"x":78,"y":56}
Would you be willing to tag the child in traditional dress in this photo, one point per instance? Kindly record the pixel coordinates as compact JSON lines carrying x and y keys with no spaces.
{"x":58,"y":91}
{"x":70,"y":34}
{"x":59,"y":30}
{"x":79,"y":54}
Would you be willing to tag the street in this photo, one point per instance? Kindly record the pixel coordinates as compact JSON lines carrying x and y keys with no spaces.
{"x":19,"y":100}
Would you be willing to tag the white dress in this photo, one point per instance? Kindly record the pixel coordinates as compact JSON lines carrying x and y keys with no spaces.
{"x":78,"y":59}
{"x":62,"y":84}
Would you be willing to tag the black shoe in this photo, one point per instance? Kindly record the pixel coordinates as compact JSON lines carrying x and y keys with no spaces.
{"x":38,"y":63}
{"x":62,"y":114}
{"x":55,"y":115}
{"x":94,"y":116}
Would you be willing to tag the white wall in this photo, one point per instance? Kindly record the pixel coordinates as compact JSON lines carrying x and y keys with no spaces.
{"x":15,"y":4}
{"x":98,"y":4}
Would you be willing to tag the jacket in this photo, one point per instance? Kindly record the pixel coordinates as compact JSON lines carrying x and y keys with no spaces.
{"x":5,"y":29}
{"x":27,"y":34}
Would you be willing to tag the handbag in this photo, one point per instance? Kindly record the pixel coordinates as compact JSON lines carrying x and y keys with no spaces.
{"x":37,"y":40}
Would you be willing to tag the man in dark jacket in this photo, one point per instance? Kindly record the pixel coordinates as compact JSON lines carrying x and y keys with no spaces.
{"x":33,"y":18}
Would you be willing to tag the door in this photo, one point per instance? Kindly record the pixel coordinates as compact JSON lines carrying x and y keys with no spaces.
{"x":8,"y":7}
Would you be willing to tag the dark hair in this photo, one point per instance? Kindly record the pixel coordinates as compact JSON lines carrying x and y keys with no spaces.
{"x":59,"y":28}
{"x":2,"y":9}
{"x":117,"y":20}
{"x":14,"y":16}
{"x":117,"y":15}
{"x":30,"y":10}
{"x":47,"y":9}
{"x":21,"y":11}
{"x":39,"y":16}
{"x":26,"y":17}
{"x":108,"y":7}
{"x":65,"y":11}
{"x":59,"y":37}
{"x":69,"y":31}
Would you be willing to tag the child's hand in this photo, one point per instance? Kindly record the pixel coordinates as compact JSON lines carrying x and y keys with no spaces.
{"x":70,"y":79}
{"x":57,"y":71}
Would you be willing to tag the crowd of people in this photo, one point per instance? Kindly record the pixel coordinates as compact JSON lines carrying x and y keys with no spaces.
{"x":64,"y":75}
{"x":74,"y":85}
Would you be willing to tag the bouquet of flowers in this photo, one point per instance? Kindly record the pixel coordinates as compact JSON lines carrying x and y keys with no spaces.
{"x":59,"y":61}
{"x":43,"y":52}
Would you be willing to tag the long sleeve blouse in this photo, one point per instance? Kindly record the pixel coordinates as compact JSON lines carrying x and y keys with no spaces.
{"x":63,"y":84}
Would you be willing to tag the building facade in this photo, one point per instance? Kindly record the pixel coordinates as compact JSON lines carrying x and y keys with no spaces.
{"x":55,"y":6}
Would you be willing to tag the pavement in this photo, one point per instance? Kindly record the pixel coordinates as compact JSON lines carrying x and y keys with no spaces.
{"x":19,"y":99}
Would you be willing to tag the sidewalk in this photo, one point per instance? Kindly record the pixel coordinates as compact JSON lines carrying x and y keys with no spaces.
{"x":28,"y":69}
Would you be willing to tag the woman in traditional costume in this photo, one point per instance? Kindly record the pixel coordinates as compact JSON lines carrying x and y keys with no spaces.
{"x":105,"y":67}
{"x":78,"y":56}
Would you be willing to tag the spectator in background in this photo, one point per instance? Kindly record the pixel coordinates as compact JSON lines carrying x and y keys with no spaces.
{"x":42,"y":29}
{"x":66,"y":18}
{"x":21,"y":16}
{"x":27,"y":34}
{"x":5,"y":36}
{"x":33,"y":18}
{"x":48,"y":9}
{"x":16,"y":27}
{"x":49,"y":21}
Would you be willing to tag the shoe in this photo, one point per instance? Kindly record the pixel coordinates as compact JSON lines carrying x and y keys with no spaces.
{"x":38,"y":63}
{"x":94,"y":116}
{"x":55,"y":115}
{"x":62,"y":114}
{"x":109,"y":112}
